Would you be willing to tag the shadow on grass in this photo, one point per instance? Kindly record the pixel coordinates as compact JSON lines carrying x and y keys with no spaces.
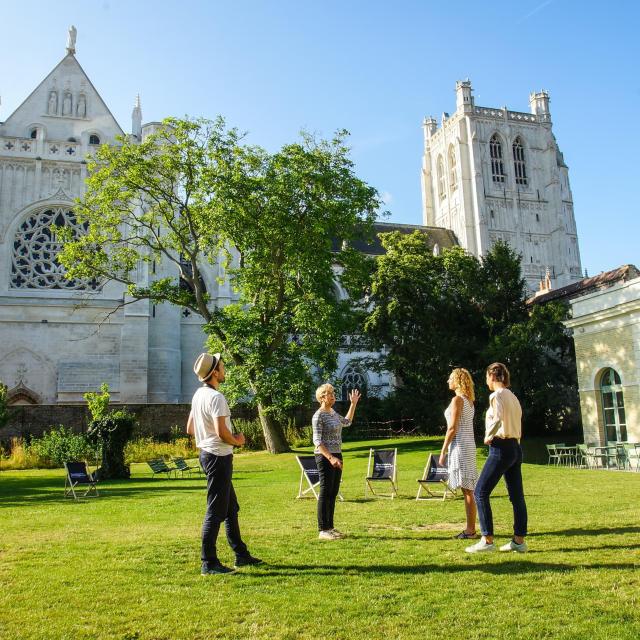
{"x":18,"y":492}
{"x":600,"y":531}
{"x":484,"y":566}
{"x":425,"y":446}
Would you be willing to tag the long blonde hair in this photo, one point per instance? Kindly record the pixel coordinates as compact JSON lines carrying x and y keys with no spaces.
{"x":463,"y":382}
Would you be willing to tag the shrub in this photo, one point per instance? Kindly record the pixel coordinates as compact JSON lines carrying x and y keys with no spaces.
{"x":144,"y":449}
{"x":253,"y":434}
{"x":60,"y":445}
{"x":21,"y":456}
{"x":299,"y":436}
{"x":4,"y":410}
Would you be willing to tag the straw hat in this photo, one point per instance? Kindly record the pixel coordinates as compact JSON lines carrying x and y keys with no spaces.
{"x":205,"y":365}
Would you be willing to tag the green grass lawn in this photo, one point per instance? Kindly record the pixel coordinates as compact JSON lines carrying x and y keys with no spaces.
{"x":126,"y":564}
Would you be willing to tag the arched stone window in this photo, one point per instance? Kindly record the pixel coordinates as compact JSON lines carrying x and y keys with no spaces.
{"x":94,"y":139}
{"x":442,"y":190}
{"x":34,"y":263}
{"x":453,"y":170}
{"x":519,"y":166}
{"x":497,"y":163}
{"x":613,"y":413}
{"x":352,"y":378}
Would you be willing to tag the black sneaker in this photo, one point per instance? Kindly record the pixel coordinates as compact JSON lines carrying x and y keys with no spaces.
{"x":215,"y":569}
{"x":246,"y":561}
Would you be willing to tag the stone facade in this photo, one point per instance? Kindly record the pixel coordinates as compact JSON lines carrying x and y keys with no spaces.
{"x":494,"y":174}
{"x":606,"y":332}
{"x":60,"y":339}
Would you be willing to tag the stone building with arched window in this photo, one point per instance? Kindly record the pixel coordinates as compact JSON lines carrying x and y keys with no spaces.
{"x":606,"y":331}
{"x":61,"y":338}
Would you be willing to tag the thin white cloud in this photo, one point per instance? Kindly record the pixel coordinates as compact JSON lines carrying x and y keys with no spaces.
{"x":540,"y":7}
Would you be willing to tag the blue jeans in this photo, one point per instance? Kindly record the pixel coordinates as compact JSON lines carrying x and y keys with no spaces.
{"x":505,"y":459}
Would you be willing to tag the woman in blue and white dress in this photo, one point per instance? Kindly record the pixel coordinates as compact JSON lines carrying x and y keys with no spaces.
{"x":461,"y":445}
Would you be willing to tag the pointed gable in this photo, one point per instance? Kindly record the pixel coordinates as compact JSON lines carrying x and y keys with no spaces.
{"x":66,"y":105}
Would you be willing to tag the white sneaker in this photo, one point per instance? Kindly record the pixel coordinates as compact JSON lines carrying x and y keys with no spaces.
{"x":481,"y":546}
{"x":512,"y":545}
{"x":327,"y":535}
{"x":337,"y":534}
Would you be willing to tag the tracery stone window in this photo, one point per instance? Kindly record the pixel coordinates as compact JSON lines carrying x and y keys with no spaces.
{"x":519,"y":166}
{"x":453,"y":172}
{"x":442,"y":191}
{"x":94,"y":139}
{"x":34,"y":263}
{"x":497,"y":163}
{"x":352,"y":378}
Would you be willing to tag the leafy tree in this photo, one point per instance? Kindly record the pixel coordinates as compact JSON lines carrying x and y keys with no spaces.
{"x":191,"y":195}
{"x":5,"y":414}
{"x":110,"y":430}
{"x":431,"y":313}
{"x":425,"y":317}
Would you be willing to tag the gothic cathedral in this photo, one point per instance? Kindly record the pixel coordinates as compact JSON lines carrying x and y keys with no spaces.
{"x":493,"y":174}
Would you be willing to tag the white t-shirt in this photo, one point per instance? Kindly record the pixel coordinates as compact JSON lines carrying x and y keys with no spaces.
{"x":206,"y":405}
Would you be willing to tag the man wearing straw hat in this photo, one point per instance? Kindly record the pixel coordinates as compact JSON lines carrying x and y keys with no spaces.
{"x":210,"y":423}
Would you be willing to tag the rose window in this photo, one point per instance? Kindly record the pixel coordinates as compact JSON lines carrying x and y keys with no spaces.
{"x":34,"y":263}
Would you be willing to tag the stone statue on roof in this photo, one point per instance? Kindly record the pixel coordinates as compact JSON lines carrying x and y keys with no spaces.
{"x":71,"y":40}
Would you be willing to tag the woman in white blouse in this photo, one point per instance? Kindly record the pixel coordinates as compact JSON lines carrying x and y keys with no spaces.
{"x":503,"y":430}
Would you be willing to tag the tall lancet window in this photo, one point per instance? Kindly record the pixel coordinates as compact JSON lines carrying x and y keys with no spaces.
{"x":497,"y":164}
{"x":442,"y":187}
{"x":519,"y":166}
{"x":453,"y":172}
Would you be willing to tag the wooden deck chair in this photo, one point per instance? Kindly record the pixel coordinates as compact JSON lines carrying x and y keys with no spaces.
{"x":309,"y":473}
{"x":77,"y":474}
{"x":158,"y":465}
{"x":382,"y":467}
{"x":434,"y":476}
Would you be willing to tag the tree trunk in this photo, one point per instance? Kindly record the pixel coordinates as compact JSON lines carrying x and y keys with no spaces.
{"x":273,"y":433}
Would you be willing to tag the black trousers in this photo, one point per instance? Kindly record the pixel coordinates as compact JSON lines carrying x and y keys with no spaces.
{"x":222,"y":506}
{"x":329,"y":489}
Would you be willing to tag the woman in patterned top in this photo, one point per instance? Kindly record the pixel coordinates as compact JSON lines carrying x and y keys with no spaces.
{"x":327,"y":438}
{"x":461,"y":445}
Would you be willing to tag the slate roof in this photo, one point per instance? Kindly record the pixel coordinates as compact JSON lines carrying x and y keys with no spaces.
{"x":444,"y":238}
{"x":588,"y":285}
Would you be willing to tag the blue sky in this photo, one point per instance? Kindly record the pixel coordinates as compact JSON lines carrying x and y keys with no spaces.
{"x":373,"y":67}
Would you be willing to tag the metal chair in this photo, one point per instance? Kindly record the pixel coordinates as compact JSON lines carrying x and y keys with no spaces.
{"x":554,"y":454}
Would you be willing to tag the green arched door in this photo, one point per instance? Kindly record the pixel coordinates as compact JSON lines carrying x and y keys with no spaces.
{"x":615,"y":422}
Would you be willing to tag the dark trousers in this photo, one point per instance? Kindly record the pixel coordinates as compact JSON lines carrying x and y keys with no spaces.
{"x":329,"y":489}
{"x":505,"y":459}
{"x":222,"y":506}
